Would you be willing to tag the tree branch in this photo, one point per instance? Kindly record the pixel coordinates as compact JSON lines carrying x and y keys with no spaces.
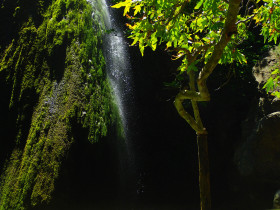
{"x":195,"y":122}
{"x":203,"y":93}
{"x":194,"y":103}
{"x":229,"y":30}
{"x":244,"y":21}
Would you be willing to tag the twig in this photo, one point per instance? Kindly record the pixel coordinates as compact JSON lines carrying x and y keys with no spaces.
{"x":243,"y":21}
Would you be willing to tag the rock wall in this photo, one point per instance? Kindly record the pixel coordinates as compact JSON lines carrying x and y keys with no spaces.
{"x":258,"y":156}
{"x":54,"y":92}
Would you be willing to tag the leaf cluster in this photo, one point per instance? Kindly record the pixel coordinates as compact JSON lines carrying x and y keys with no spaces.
{"x":186,"y":27}
{"x":272,"y":85}
{"x":268,"y":17}
{"x":191,"y":29}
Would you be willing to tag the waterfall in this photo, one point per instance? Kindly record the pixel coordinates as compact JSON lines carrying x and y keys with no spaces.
{"x":118,"y":68}
{"x":118,"y":71}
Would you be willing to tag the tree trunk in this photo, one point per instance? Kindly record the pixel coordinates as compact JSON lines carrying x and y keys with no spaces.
{"x":204,"y":173}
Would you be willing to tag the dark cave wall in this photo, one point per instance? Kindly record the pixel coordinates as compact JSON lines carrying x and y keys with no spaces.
{"x":168,"y":145}
{"x":257,"y":155}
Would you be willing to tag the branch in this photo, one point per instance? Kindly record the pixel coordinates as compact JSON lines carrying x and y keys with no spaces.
{"x":195,"y":124}
{"x":255,"y":3}
{"x":244,"y":21}
{"x":203,"y":93}
{"x":193,"y":95}
{"x":192,"y":57}
{"x":194,"y":103}
{"x":229,"y":29}
{"x":178,"y":103}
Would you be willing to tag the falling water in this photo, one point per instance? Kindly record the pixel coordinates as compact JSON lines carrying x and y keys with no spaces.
{"x":118,"y":71}
{"x":117,"y":66}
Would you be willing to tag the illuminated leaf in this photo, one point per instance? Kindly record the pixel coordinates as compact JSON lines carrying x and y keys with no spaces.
{"x":198,"y":5}
{"x":137,"y":9}
{"x":276,"y":71}
{"x":269,"y":85}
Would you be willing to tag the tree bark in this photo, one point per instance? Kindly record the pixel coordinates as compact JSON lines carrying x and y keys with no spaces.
{"x":202,"y":94}
{"x":204,"y":172}
{"x":196,"y":123}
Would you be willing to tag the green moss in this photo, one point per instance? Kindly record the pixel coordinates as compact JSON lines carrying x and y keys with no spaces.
{"x":55,"y":72}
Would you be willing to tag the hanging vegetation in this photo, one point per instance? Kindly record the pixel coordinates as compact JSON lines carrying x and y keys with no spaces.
{"x":53,"y":69}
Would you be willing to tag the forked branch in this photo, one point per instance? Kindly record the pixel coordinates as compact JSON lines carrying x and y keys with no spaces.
{"x":203,"y":94}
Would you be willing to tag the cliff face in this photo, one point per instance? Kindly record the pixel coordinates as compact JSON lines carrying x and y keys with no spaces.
{"x":253,"y":177}
{"x":52,"y":84}
{"x":258,"y":155}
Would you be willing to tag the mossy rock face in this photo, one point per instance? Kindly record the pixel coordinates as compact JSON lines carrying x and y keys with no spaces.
{"x":52,"y":79}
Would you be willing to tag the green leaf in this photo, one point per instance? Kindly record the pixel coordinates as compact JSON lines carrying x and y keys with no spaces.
{"x":137,"y":9}
{"x":135,"y":40}
{"x":168,"y":44}
{"x":141,"y":45}
{"x":154,"y":41}
{"x":275,"y":39}
{"x":198,"y":5}
{"x":142,"y":49}
{"x":276,"y":71}
{"x":269,"y":85}
{"x":241,"y":57}
{"x":126,"y":4}
{"x":121,"y":4}
{"x":277,"y":94}
{"x":126,"y":9}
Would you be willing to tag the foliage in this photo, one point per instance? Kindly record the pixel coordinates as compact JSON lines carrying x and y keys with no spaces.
{"x":195,"y":27}
{"x":53,"y":69}
{"x":183,"y":26}
{"x":197,"y":32}
{"x":273,"y":85}
{"x":268,"y":16}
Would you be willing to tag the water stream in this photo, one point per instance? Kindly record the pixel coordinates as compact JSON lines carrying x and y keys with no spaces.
{"x":118,"y":67}
{"x":118,"y":70}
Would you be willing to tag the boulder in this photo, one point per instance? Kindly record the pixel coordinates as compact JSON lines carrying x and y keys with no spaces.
{"x":258,"y":155}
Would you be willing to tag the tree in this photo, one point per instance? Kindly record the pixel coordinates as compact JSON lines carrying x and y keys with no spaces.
{"x":202,"y":34}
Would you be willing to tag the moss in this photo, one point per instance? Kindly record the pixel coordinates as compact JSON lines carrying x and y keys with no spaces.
{"x":54,"y":69}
